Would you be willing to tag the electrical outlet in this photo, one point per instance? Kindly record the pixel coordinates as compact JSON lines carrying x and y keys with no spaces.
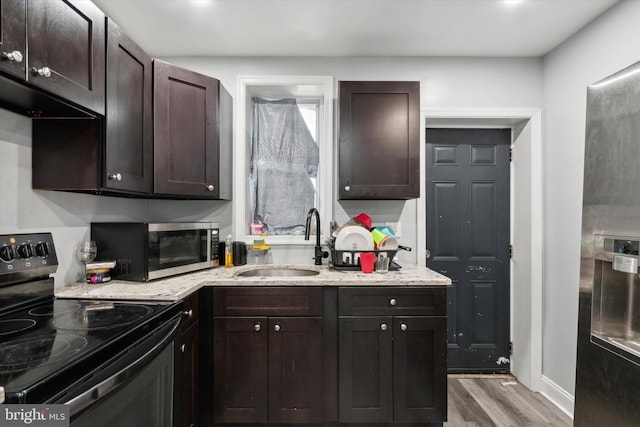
{"x":396,"y":228}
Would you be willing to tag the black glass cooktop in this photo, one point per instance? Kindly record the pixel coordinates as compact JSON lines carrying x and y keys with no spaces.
{"x":66,"y":338}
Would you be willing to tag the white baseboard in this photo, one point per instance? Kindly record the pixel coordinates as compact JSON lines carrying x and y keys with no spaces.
{"x":558,"y":396}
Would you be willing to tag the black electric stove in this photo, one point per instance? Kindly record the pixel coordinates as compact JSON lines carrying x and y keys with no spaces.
{"x":49,"y":345}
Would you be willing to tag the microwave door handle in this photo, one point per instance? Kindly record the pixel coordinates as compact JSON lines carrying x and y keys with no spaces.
{"x":100,"y":390}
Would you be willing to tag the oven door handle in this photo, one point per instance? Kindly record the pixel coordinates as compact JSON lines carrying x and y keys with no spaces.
{"x":100,"y":390}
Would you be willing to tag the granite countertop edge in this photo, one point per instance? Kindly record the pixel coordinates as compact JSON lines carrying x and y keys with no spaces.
{"x":177,"y":288}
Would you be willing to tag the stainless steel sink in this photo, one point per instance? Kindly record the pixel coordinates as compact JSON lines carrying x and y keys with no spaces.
{"x":278,"y":272}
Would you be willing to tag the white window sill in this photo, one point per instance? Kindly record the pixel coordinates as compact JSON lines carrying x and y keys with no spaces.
{"x":285,"y":240}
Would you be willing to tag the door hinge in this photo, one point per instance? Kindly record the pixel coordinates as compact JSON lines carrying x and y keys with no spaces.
{"x":511,"y":153}
{"x":510,"y":348}
{"x":510,"y":251}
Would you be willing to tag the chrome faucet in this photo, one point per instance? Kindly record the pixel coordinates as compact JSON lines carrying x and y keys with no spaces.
{"x":318,"y":252}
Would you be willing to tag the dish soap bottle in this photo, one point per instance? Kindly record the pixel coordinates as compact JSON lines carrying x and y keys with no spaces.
{"x":228,"y":252}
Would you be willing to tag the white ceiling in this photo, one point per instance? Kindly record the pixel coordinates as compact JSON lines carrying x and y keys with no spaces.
{"x":351,"y":27}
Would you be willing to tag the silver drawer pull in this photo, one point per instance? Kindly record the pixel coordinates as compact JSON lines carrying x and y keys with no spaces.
{"x":210,"y":187}
{"x":276,"y":328}
{"x":189,"y":313}
{"x":183,"y":348}
{"x":347,"y":188}
{"x":403,"y":326}
{"x":383,"y":327}
{"x":257,"y":327}
{"x":115,"y":177}
{"x":393,"y":301}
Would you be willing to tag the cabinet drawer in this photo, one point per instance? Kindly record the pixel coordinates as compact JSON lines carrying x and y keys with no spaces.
{"x":417,"y":301}
{"x":190,"y":311}
{"x":272,"y":301}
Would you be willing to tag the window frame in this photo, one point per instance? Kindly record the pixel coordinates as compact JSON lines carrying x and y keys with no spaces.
{"x":271,"y":87}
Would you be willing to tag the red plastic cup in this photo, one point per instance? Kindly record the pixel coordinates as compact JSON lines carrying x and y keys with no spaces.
{"x":367,"y":260}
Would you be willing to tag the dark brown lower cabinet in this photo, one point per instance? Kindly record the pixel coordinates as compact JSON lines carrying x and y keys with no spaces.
{"x":190,"y":377}
{"x":325,"y":357}
{"x":392,"y":355}
{"x":267,"y":370}
{"x":189,"y":368}
{"x":392,"y":369}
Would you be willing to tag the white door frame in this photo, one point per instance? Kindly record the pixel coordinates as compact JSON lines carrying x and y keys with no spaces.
{"x":526,"y":264}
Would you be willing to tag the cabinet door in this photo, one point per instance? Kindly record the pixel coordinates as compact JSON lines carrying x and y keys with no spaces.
{"x":295,"y":370}
{"x":129,"y":132}
{"x":185,"y":132}
{"x":365,"y":370}
{"x":190,"y":377}
{"x":13,"y":53}
{"x":240,"y":369}
{"x":379,"y":140}
{"x":420,"y":369}
{"x":67,"y":50}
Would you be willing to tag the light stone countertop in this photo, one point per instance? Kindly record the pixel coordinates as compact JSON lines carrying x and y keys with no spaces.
{"x":178,"y":287}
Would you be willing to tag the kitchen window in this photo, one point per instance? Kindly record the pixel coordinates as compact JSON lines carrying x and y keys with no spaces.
{"x":286,"y":136}
{"x":284,"y":162}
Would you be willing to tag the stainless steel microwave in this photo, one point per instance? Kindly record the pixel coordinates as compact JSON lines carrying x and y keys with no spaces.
{"x":147,"y":251}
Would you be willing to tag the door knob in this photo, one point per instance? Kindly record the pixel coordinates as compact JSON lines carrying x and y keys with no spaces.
{"x":44,"y":71}
{"x":276,"y":328}
{"x":15,"y":56}
{"x":347,"y":188}
{"x":257,"y":327}
{"x":403,"y":326}
{"x":210,"y":187}
{"x":115,"y":177}
{"x":393,"y":301}
{"x":383,"y":327}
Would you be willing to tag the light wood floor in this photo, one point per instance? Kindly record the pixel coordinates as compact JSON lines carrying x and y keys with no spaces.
{"x":479,"y":401}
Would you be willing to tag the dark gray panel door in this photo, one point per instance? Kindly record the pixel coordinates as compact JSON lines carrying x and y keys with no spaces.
{"x":468,"y":240}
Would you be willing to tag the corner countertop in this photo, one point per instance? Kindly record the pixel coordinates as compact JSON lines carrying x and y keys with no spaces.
{"x":178,"y":287}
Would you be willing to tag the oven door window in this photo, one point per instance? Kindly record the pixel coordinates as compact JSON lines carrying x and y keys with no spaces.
{"x":169,"y":249}
{"x":147,"y":400}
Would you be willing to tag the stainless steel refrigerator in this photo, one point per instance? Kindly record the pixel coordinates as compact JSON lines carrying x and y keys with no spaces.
{"x":608,"y":364}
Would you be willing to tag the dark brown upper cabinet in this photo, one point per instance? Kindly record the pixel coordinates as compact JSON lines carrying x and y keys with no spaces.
{"x":52,"y":58}
{"x":379,"y":140}
{"x":66,"y":42}
{"x":110,"y":155}
{"x":192,"y":134}
{"x":13,"y":43}
{"x":129,"y":120}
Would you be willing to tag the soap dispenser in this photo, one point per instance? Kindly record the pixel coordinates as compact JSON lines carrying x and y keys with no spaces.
{"x":228,"y":252}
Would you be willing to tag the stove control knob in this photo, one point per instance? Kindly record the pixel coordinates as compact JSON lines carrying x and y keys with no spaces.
{"x":42,"y":249}
{"x":7,"y":254}
{"x":25,"y":250}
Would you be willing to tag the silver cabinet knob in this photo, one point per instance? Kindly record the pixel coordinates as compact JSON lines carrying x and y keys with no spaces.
{"x":210,"y":187}
{"x":383,"y":327}
{"x":44,"y":71}
{"x":427,"y":254}
{"x":276,"y":328}
{"x":115,"y":177}
{"x":183,"y":348}
{"x":257,"y":327}
{"x":393,"y":301}
{"x":15,"y":56}
{"x":403,"y":326}
{"x":347,"y":188}
{"x":189,"y":313}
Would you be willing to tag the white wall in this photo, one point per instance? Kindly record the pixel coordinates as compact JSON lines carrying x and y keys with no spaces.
{"x":68,"y":215}
{"x":445,"y":83}
{"x":608,"y":44}
{"x":481,"y":83}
